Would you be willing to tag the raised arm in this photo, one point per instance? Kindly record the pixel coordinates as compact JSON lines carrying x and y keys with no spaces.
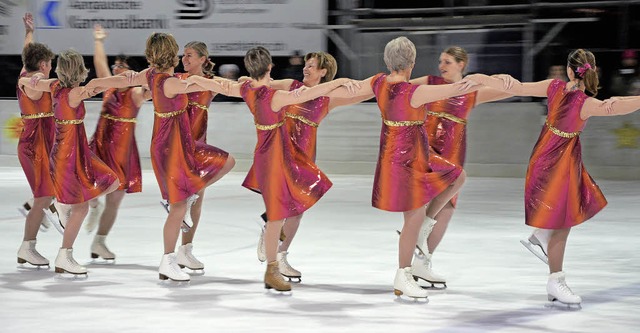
{"x":100,"y":61}
{"x":284,"y":98}
{"x":28,"y":33}
{"x":614,"y":106}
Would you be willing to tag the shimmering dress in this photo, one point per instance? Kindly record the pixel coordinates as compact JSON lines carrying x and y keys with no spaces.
{"x":182,"y":166}
{"x":36,"y":140}
{"x":198,"y":110}
{"x":301,"y":122}
{"x":287,"y":178}
{"x":114,"y":140}
{"x":447,"y":125}
{"x":559,"y":193}
{"x":78,"y":174}
{"x":406,"y":176}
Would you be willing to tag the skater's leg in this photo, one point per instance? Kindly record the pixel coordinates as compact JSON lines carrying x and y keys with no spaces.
{"x":231,"y":162}
{"x":196,"y":212}
{"x":172,"y":225}
{"x":437,"y":233}
{"x":556,"y":247}
{"x":34,"y":217}
{"x":290,"y":229}
{"x":76,"y":215}
{"x":108,"y":217}
{"x":435,"y":206}
{"x":409,"y":235}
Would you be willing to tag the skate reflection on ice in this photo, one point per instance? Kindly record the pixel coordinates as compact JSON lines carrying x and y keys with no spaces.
{"x":102,"y":262}
{"x":30,"y":267}
{"x":174,"y":284}
{"x":71,"y":277}
{"x":276,"y":293}
{"x":193,"y":272}
{"x":555,"y":305}
{"x":411,"y":300}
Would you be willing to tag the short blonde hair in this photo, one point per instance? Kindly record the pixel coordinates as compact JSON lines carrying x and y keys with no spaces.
{"x":162,"y":51}
{"x":325,"y":61}
{"x":70,"y":68}
{"x":399,"y":54}
{"x":202,"y":51}
{"x":257,"y":61}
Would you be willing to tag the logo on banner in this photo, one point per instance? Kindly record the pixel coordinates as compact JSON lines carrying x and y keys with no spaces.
{"x":49,"y":15}
{"x":194,"y":9}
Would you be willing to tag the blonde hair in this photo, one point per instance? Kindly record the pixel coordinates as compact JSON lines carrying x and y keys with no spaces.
{"x":583,"y":65}
{"x":459,"y":54}
{"x":70,"y":68}
{"x":399,"y":54}
{"x":257,"y":61}
{"x":325,"y":61}
{"x":162,"y":51}
{"x":202,"y":51}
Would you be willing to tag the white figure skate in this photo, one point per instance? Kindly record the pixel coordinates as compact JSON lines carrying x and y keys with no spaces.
{"x":537,"y":243}
{"x":185,"y":227}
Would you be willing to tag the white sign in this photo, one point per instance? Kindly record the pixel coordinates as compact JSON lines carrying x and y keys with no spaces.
{"x":229,"y":27}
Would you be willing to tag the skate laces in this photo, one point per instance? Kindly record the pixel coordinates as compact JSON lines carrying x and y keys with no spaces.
{"x":563,"y":287}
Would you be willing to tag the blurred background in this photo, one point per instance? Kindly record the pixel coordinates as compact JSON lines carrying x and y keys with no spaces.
{"x":528,"y":39}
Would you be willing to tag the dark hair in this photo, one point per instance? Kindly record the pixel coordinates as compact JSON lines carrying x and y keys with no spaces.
{"x":33,"y":54}
{"x":583,"y":65}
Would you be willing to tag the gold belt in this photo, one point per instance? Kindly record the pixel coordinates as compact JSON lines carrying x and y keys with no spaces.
{"x":302,"y":119}
{"x":37,"y":115}
{"x":563,"y":134}
{"x":403,"y":123}
{"x":447,"y":116}
{"x":169,"y":114}
{"x":200,"y":106}
{"x":120,"y":119}
{"x":69,"y":121}
{"x":269,"y":127}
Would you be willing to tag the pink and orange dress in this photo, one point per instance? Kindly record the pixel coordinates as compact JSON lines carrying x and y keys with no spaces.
{"x":36,"y":140}
{"x":182,"y":166}
{"x":287,"y":178}
{"x":301,"y":122}
{"x":78,"y":174}
{"x":114,"y":140}
{"x":559,"y":193}
{"x":447,"y":125}
{"x":406,"y":177}
{"x":198,"y":110}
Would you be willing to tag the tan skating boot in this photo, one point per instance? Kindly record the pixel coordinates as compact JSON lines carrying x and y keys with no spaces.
{"x":273,"y":279}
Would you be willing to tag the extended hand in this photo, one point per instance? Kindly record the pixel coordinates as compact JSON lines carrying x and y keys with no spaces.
{"x":99,"y":34}
{"x":28,"y":22}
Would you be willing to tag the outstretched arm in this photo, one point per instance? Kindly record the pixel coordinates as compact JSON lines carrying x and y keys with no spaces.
{"x":100,"y":61}
{"x":36,"y":83}
{"x":342,"y":96}
{"x":614,"y":106}
{"x":431,"y":93}
{"x":284,"y":98}
{"x":119,"y":81}
{"x":420,"y":80}
{"x":220,"y":86}
{"x":535,"y":89}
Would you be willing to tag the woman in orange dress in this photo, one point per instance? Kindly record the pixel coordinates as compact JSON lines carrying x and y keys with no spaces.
{"x":114,"y":141}
{"x":78,"y":174}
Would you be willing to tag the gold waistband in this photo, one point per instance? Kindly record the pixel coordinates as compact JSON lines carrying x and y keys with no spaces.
{"x":200,"y":106}
{"x":37,"y":115}
{"x":447,"y":116}
{"x":302,"y":119}
{"x":269,"y":127}
{"x":563,"y":134}
{"x":169,"y":114}
{"x":403,"y":123}
{"x":69,"y":121}
{"x":120,"y":119}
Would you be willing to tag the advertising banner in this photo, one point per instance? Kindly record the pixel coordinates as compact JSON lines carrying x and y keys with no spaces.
{"x":229,"y":27}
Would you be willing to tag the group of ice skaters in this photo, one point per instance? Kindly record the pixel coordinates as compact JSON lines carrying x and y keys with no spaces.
{"x":419,"y":170}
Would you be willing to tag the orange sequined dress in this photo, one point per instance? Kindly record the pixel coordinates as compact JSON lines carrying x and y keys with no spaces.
{"x":287,"y":178}
{"x":36,"y":139}
{"x":182,"y":166}
{"x":198,"y":109}
{"x":78,"y":174}
{"x":559,"y":193}
{"x":406,"y":177}
{"x":114,"y":140}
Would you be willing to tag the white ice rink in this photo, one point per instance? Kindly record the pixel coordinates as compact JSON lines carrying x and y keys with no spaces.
{"x":347,"y":253}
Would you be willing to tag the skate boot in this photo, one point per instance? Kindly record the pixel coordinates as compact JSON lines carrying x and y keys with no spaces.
{"x":557,"y":290}
{"x":99,"y":248}
{"x":286,"y":270}
{"x":93,"y":218}
{"x":273,"y":279}
{"x":169,"y":269}
{"x":423,"y":235}
{"x":421,"y":269}
{"x":186,"y":259}
{"x":262,"y":255}
{"x":185,"y":227}
{"x":404,"y":284}
{"x":58,"y":215}
{"x":28,"y":253}
{"x":26,"y":208}
{"x":187,"y":216}
{"x":66,"y":263}
{"x":537,"y":243}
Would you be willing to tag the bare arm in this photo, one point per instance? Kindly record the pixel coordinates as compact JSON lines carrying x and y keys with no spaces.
{"x":282,"y":84}
{"x":617,"y":106}
{"x":78,"y":94}
{"x":487,"y":94}
{"x":431,"y":93}
{"x":120,"y":81}
{"x":226,"y":87}
{"x":420,"y":80}
{"x":535,"y":89}
{"x":28,"y":33}
{"x":140,"y":95}
{"x":100,"y":61}
{"x":284,"y":98}
{"x":41,"y":85}
{"x":342,"y":96}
